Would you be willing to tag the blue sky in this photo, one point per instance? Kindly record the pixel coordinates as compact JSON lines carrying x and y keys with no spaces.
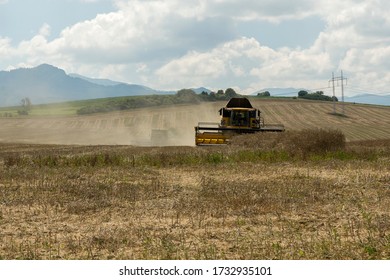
{"x":248,"y":44}
{"x":21,"y":20}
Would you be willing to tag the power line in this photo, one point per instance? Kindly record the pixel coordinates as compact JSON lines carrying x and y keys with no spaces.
{"x":338,"y":79}
{"x":367,"y":91}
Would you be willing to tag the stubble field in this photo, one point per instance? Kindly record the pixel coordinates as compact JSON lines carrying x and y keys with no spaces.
{"x":298,"y":195}
{"x":362,"y":122}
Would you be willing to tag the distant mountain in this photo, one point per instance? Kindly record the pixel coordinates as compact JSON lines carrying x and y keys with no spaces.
{"x":200,"y":90}
{"x":46,"y":84}
{"x":107,"y":82}
{"x":370,"y":99}
{"x":102,"y":82}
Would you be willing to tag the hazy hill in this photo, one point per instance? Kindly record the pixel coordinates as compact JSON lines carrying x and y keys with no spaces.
{"x":108,"y":82}
{"x":370,"y":99}
{"x":46,"y":84}
{"x":103,"y":82}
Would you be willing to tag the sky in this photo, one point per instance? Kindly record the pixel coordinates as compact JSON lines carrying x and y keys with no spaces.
{"x":247,"y":45}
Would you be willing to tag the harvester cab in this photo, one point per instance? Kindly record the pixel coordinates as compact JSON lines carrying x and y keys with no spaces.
{"x":237,"y":117}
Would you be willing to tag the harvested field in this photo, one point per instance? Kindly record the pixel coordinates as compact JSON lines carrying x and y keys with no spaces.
{"x":73,"y":188}
{"x":231,"y":202}
{"x":362,"y":122}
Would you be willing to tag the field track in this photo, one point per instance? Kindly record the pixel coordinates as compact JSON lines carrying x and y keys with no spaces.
{"x":362,"y":122}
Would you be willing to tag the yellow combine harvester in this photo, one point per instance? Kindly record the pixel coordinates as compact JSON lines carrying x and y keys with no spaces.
{"x":237,"y":117}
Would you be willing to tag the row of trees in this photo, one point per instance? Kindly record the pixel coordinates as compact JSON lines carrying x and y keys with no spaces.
{"x":318,"y":95}
{"x":219,"y":95}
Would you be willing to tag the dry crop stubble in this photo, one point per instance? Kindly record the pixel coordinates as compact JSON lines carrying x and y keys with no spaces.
{"x":235,"y":202}
{"x":133,"y":127}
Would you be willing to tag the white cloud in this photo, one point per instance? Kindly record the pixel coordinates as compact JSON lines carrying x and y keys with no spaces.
{"x":369,"y":66}
{"x":245,"y":62}
{"x":4,"y":45}
{"x":45,"y":30}
{"x":195,"y":67}
{"x":172,"y":44}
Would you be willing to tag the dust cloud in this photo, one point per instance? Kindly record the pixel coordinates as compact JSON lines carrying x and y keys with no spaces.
{"x":159,"y":126}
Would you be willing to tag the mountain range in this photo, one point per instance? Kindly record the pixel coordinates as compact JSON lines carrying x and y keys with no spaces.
{"x":370,"y":99}
{"x":49,"y":84}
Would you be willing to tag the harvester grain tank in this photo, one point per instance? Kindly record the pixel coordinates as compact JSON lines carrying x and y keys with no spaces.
{"x":237,"y":117}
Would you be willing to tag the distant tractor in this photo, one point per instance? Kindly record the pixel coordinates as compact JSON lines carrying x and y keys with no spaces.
{"x":237,"y":117}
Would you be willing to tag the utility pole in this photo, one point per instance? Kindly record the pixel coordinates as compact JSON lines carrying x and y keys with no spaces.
{"x":334,"y":94}
{"x":342,"y":93}
{"x":337,"y":79}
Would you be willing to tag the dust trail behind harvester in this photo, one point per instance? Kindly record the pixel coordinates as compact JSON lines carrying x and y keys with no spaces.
{"x":136,"y":127}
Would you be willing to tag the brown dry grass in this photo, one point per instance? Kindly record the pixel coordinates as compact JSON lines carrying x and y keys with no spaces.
{"x":231,"y":202}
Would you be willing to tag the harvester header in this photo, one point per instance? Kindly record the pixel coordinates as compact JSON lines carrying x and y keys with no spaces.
{"x":237,"y":117}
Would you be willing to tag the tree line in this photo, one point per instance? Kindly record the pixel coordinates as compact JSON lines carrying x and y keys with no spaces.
{"x":318,"y":95}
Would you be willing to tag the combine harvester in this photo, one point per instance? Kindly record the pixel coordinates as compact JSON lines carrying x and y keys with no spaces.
{"x":237,"y":117}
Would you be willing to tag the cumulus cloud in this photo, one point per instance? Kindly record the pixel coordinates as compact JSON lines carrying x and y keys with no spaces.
{"x":246,"y":62}
{"x":172,"y":44}
{"x":271,"y":10}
